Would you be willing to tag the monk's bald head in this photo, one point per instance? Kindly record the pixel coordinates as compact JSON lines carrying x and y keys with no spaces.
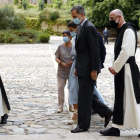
{"x":116,"y":12}
{"x":117,"y":16}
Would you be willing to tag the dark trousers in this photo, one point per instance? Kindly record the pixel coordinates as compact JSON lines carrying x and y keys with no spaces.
{"x":86,"y":101}
{"x":106,"y":39}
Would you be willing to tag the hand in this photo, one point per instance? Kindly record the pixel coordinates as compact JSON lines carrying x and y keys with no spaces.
{"x":94,"y":75}
{"x":111,"y":69}
{"x":75,"y":73}
{"x":69,"y":63}
{"x":65,"y":65}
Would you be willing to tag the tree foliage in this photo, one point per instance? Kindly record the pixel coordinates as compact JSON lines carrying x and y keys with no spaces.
{"x":41,"y":5}
{"x":57,"y":3}
{"x":101,"y":9}
{"x":25,"y":4}
{"x":10,"y":20}
{"x":16,"y":2}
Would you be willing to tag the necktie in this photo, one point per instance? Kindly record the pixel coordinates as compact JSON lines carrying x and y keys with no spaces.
{"x":79,"y":30}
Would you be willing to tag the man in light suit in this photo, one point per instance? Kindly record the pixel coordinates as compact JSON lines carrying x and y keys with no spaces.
{"x":87,"y":64}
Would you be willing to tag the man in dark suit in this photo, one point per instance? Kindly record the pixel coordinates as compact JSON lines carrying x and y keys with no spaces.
{"x":87,"y":64}
{"x":106,"y":34}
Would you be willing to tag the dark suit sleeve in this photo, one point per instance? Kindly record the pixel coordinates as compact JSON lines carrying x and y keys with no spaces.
{"x":93,"y":43}
{"x":102,"y":48}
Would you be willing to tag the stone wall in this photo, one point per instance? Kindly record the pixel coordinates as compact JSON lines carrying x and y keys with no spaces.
{"x":57,"y":27}
{"x":3,"y":2}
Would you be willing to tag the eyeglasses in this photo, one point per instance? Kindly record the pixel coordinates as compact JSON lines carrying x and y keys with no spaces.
{"x":112,"y":18}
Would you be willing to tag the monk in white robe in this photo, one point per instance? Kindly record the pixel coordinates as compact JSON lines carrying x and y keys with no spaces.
{"x":127,"y":88}
{"x":4,"y":104}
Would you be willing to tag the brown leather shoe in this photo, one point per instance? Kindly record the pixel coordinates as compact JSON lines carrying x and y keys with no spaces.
{"x":108,"y":118}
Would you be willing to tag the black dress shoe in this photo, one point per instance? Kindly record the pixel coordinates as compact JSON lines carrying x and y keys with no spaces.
{"x":78,"y":130}
{"x":4,"y":119}
{"x":108,"y":118}
{"x":93,"y":111}
{"x":111,"y":132}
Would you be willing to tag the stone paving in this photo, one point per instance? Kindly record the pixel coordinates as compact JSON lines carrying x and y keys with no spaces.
{"x":31,"y":84}
{"x":30,"y":81}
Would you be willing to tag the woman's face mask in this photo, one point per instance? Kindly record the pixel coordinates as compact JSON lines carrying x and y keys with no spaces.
{"x":73,"y":34}
{"x":66,"y":39}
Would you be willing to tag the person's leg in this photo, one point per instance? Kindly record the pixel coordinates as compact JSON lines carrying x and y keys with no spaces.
{"x":107,"y":40}
{"x":61,"y":86}
{"x":85,"y":101}
{"x":100,"y":107}
{"x":74,"y":119}
{"x":99,"y":96}
{"x":75,"y":115}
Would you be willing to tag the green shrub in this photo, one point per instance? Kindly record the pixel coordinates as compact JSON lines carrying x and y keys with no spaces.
{"x":49,"y":5}
{"x":10,"y":20}
{"x":18,"y":23}
{"x":33,"y":23}
{"x":44,"y":38}
{"x":31,"y":34}
{"x":19,"y":6}
{"x":43,"y":16}
{"x":41,"y":5}
{"x":16,"y":2}
{"x":30,"y":6}
{"x":67,"y":21}
{"x":18,"y":36}
{"x":7,"y":37}
{"x":25,"y":4}
{"x":54,"y":15}
{"x":50,"y":31}
{"x":57,"y":3}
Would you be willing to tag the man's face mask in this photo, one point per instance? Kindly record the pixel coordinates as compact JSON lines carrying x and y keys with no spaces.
{"x":77,"y":20}
{"x":114,"y":24}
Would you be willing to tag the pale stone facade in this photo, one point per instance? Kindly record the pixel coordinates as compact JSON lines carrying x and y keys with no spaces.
{"x":3,"y":2}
